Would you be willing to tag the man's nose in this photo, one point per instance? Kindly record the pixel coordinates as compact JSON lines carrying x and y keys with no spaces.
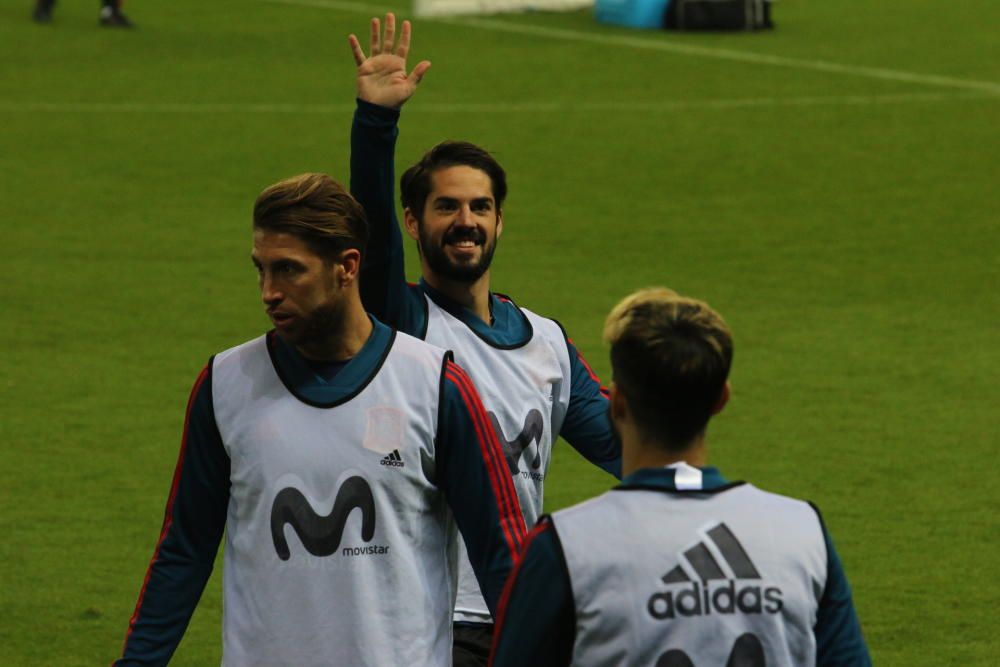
{"x":269,"y":292}
{"x":465,"y":216}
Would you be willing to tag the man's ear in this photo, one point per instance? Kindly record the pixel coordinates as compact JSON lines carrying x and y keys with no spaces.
{"x":499,"y":223}
{"x":723,"y":399}
{"x":348,"y":267}
{"x":617,"y":404}
{"x":411,"y":224}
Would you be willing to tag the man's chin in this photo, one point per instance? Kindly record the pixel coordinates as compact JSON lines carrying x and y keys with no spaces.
{"x":463,"y":273}
{"x":290,"y":335}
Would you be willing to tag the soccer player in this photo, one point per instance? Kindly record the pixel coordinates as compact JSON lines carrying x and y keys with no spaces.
{"x":111,"y":15}
{"x":676,"y":567}
{"x":332,"y":450}
{"x":535,"y":385}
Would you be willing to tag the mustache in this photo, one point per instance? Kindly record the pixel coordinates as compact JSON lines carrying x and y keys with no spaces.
{"x":458,"y":234}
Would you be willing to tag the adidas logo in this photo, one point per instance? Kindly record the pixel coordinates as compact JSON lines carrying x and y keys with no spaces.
{"x":393,"y":460}
{"x":715,"y":562}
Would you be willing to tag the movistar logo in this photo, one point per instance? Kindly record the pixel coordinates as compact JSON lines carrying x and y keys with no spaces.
{"x":718,"y":562}
{"x":531,"y":432}
{"x":747,"y":652}
{"x":321,"y":535}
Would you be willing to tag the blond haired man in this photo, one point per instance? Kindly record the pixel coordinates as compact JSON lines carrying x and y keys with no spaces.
{"x":332,"y":451}
{"x":676,"y":567}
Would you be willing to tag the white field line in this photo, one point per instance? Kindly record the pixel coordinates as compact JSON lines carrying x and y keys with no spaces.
{"x":666,"y":106}
{"x":990,"y":87}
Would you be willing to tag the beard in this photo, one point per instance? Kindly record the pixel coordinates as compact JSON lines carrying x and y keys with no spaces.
{"x":316,"y":329}
{"x":445,"y":267}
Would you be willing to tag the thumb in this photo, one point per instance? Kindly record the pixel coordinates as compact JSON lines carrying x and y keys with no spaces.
{"x":418,"y":72}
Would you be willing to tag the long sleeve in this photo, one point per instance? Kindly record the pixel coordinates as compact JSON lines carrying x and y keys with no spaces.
{"x":473,"y":476}
{"x":384,"y":290}
{"x":587,"y":426}
{"x":839,"y":642}
{"x":536,"y":621}
{"x":193,"y":525}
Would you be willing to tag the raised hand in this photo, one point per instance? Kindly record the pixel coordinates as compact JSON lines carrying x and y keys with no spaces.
{"x":382,"y":77}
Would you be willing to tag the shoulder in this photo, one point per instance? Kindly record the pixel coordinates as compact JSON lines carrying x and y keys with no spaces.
{"x":233,"y":354}
{"x":798,"y":520}
{"x":408,"y":343}
{"x":589,"y":512}
{"x":548,"y":328}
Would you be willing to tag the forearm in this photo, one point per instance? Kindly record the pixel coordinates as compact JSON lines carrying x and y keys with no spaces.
{"x":477,"y":486}
{"x":194,"y":521}
{"x":839,"y":641}
{"x":536,"y":621}
{"x":373,"y":142}
{"x":587,"y":426}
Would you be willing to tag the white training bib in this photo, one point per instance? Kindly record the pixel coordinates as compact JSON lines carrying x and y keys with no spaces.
{"x":667,"y":579}
{"x":336,"y":534}
{"x":525,"y":390}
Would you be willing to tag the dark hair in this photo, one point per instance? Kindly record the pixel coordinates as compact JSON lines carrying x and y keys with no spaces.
{"x":415,"y":185}
{"x":315,"y":208}
{"x":670,"y":357}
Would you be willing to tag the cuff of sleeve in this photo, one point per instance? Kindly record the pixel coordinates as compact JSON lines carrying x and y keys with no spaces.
{"x":376,"y":115}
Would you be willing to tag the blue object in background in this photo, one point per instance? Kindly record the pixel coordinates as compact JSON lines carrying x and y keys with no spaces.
{"x":631,"y":13}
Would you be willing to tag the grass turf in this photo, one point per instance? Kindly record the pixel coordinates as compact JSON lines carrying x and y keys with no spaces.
{"x":842,"y":223}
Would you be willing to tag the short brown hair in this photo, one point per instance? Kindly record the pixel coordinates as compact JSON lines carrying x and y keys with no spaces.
{"x":415,"y":184}
{"x":315,"y":208}
{"x":670,"y":357}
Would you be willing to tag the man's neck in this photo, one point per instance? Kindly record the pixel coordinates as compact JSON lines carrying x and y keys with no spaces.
{"x":474,"y":297}
{"x":343,"y":344}
{"x":652,"y":455}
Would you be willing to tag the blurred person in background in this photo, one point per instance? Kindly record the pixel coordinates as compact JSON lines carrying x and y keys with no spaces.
{"x":111,"y":15}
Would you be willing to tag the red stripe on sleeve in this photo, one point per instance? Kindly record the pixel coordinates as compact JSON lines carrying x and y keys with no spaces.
{"x":590,"y":371}
{"x":503,"y":488}
{"x":499,"y":460}
{"x":511,"y":518}
{"x":509,"y":586}
{"x":168,"y":517}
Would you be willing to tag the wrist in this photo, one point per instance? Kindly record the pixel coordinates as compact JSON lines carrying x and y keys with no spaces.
{"x":376,"y":112}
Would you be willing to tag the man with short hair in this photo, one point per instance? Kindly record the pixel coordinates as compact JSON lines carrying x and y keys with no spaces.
{"x":535,"y":385}
{"x":332,"y":450}
{"x":676,"y":567}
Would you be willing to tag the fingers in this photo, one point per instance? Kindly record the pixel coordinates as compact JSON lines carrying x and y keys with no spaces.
{"x":359,"y":54}
{"x":375,"y":40}
{"x":383,"y":43}
{"x":404,"y":41}
{"x":390,"y":33}
{"x":418,"y":72}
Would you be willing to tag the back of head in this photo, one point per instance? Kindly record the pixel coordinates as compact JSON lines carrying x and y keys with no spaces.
{"x":315,"y":208}
{"x":670,"y":357}
{"x":415,"y":184}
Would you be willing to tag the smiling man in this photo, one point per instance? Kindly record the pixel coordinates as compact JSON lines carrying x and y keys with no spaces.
{"x":535,"y":385}
{"x":331,"y":451}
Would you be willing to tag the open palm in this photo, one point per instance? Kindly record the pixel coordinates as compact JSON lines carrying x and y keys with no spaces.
{"x":382,"y":76}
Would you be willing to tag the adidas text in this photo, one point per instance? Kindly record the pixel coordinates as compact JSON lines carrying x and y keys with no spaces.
{"x":698,"y":600}
{"x":393,"y":460}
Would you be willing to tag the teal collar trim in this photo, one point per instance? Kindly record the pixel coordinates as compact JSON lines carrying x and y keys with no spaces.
{"x":510,"y":326}
{"x":680,"y":477}
{"x":307,"y":386}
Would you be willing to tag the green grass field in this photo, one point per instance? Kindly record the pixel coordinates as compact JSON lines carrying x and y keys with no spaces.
{"x":825,"y":186}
